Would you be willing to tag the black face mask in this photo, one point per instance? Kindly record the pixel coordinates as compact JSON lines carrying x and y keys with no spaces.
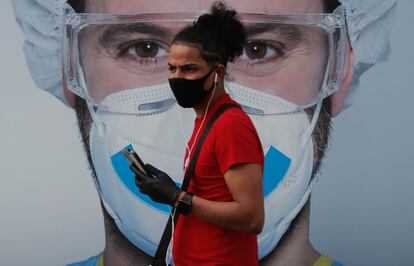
{"x":190,"y":92}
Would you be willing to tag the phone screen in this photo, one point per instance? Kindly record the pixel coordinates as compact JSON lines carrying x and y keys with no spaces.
{"x":133,"y":159}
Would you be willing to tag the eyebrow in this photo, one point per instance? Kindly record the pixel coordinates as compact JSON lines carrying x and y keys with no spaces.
{"x":116,"y":33}
{"x":289,"y":32}
{"x":185,"y":65}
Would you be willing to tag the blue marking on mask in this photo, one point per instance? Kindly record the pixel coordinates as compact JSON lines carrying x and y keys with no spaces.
{"x":121,"y":166}
{"x":276,"y":165}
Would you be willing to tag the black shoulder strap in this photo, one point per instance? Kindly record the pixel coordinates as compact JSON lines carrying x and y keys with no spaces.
{"x":191,"y":167}
{"x":159,"y":258}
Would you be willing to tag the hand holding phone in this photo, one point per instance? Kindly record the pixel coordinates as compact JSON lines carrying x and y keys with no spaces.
{"x":152,"y":181}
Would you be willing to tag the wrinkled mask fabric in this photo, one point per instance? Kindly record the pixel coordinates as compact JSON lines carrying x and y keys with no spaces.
{"x":190,"y":92}
{"x":158,"y":140}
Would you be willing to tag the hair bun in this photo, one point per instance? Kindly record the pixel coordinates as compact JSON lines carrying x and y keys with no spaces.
{"x":219,"y":34}
{"x":218,"y":16}
{"x":230,"y":30}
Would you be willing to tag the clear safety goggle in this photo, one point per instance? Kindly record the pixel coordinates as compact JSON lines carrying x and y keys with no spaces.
{"x":297,"y":57}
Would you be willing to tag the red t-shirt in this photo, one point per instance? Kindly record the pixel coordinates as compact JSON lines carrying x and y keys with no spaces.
{"x":232,"y":140}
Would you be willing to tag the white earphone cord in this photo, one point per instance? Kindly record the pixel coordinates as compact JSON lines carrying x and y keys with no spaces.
{"x":170,"y":245}
{"x":189,"y":150}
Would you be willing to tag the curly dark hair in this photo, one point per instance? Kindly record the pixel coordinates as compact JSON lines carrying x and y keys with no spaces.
{"x":219,"y":35}
{"x":78,"y":5}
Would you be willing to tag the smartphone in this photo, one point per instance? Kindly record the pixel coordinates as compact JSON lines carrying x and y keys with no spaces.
{"x":133,"y":159}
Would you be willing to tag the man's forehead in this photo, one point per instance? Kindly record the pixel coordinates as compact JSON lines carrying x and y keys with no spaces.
{"x":181,"y":54}
{"x":159,"y":6}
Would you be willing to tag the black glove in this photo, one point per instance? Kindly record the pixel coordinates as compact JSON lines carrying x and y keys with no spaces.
{"x":157,"y":184}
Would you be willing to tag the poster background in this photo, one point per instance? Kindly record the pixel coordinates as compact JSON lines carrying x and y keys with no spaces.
{"x":362,"y":211}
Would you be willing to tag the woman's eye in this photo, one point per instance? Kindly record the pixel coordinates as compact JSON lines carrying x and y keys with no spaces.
{"x":146,"y":49}
{"x":260,"y":50}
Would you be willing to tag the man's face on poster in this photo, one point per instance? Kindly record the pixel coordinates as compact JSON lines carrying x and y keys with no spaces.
{"x":282,"y":59}
{"x":288,"y":58}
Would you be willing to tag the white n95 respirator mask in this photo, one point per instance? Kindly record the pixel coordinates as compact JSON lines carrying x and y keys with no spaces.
{"x":286,"y":138}
{"x":157,"y":136}
{"x":154,"y":133}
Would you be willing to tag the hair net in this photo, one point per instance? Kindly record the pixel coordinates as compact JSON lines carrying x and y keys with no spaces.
{"x":41,"y":23}
{"x":369,"y":25}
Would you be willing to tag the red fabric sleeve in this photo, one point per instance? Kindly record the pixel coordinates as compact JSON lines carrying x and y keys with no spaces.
{"x":236,"y":142}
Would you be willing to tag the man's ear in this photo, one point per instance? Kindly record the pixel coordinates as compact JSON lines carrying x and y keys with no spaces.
{"x":70,"y":97}
{"x":221,"y":71}
{"x":338,"y":98}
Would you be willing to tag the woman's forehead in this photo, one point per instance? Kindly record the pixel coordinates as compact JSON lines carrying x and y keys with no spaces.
{"x":160,"y":6}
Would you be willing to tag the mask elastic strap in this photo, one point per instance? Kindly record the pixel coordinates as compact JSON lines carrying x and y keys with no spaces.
{"x":97,"y":122}
{"x":286,"y":221}
{"x":307,"y":135}
{"x":107,"y":207}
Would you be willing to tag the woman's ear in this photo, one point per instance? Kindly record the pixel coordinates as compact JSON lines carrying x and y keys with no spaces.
{"x":338,"y":98}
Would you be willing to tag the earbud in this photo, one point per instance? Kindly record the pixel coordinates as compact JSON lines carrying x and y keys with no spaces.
{"x":216,"y":78}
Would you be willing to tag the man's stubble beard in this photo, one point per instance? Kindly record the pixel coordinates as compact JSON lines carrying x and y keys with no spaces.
{"x":321,"y":135}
